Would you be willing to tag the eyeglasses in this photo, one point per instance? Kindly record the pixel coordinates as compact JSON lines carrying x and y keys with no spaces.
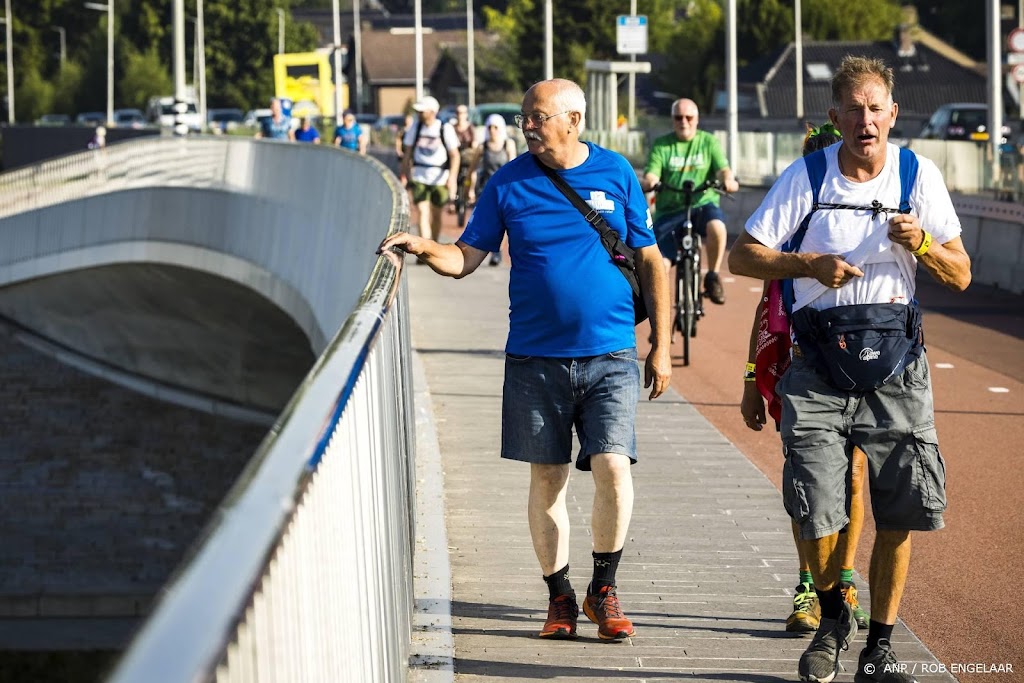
{"x":680,"y":117}
{"x":536,"y":120}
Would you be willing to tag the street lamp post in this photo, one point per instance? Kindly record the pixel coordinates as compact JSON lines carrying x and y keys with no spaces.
{"x":10,"y":63}
{"x":280,"y":30}
{"x":63,"y":45}
{"x":470,"y":59}
{"x":357,"y":43}
{"x":109,"y":9}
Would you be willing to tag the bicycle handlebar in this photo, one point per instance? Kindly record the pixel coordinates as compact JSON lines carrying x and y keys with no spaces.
{"x":689,"y":188}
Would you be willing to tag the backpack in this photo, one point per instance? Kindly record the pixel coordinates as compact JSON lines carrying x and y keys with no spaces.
{"x":816,"y":167}
{"x":416,"y":138}
{"x":859,"y":347}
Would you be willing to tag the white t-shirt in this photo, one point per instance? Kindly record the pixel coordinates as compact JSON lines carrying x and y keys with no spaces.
{"x":430,"y":151}
{"x":889,"y":274}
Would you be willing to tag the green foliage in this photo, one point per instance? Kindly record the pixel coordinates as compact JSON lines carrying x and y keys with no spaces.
{"x":33,"y":97}
{"x":145,"y":76}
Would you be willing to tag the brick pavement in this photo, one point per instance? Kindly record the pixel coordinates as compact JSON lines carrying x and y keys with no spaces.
{"x":709,"y":565}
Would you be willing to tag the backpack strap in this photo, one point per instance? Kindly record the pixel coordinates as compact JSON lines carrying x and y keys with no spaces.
{"x":908,"y":176}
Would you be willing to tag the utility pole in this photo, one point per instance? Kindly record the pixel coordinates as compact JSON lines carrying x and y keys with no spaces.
{"x":549,"y":68}
{"x":799,"y":42}
{"x":63,"y":45}
{"x":10,"y":62}
{"x":357,"y":39}
{"x":730,"y":79}
{"x":631,"y":109}
{"x":470,"y":60}
{"x":419,"y":49}
{"x":339,"y":78}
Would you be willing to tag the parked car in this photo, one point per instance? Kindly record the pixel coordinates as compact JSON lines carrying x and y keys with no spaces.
{"x":91,"y":118}
{"x":129,"y":118}
{"x":160,"y":110}
{"x":254,"y":118}
{"x":224,"y":120}
{"x":508,"y":111}
{"x":959,"y":121}
{"x":54,"y":120}
{"x":391,"y":123}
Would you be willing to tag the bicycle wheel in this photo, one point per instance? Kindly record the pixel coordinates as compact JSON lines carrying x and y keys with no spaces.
{"x":687,"y":304}
{"x":677,"y":323}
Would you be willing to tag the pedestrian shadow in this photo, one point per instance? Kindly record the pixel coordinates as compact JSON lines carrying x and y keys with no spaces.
{"x":540,"y":672}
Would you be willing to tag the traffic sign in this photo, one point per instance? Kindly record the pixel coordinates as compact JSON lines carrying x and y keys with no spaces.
{"x":1018,"y":73}
{"x":631,"y":34}
{"x":1015,"y":41}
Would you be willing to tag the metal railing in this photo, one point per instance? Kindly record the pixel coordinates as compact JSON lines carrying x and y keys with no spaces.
{"x":313,"y":542}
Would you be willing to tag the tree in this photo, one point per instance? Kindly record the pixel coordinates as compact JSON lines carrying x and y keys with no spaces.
{"x":144,"y":77}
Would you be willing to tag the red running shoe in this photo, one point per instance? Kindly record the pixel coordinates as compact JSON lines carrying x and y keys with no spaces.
{"x":603,"y":609}
{"x":562,"y":615}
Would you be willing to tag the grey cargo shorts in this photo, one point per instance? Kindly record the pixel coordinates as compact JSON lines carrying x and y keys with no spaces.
{"x":894,"y":425}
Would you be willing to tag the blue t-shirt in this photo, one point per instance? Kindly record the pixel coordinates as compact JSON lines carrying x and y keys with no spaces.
{"x":349,"y":136}
{"x":567,"y":298}
{"x":307,"y":135}
{"x":277,"y":130}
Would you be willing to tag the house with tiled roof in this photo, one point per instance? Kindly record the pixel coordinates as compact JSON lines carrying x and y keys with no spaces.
{"x":927,"y":76}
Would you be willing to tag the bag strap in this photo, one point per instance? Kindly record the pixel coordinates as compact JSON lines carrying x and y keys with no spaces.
{"x":816,"y":167}
{"x":609,"y":238}
{"x":592,"y":215}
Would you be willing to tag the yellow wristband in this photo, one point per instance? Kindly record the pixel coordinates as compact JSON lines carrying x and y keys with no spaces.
{"x":925,"y":243}
{"x":750,"y":373}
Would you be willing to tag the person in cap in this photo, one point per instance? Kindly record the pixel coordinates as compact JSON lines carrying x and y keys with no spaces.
{"x":496,"y":151}
{"x":431,"y":162}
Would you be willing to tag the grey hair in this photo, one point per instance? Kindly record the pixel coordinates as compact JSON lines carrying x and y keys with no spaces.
{"x":570,"y":97}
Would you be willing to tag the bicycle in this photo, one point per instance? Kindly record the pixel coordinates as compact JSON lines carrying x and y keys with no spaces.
{"x":461,"y":199}
{"x":689,"y":306}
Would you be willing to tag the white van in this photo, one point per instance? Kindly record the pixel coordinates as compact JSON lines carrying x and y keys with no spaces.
{"x":161,"y":111}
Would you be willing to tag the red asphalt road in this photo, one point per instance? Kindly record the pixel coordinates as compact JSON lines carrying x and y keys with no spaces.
{"x":960,"y":595}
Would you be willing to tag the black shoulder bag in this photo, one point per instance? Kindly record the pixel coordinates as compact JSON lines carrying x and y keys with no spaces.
{"x":622,"y":255}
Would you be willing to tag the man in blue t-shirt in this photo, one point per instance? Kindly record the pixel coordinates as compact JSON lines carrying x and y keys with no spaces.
{"x":349,"y":135}
{"x":570,"y":358}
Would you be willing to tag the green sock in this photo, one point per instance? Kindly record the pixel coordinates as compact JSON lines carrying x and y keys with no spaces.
{"x":805,"y":577}
{"x":846,"y":575}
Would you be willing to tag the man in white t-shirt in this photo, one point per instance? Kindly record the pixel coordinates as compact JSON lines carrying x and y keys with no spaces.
{"x":430,"y":161}
{"x":893,"y":424}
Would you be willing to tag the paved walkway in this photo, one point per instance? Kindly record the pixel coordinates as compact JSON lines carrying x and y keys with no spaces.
{"x":708,"y":569}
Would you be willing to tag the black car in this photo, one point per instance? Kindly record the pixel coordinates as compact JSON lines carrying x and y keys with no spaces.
{"x":959,"y":121}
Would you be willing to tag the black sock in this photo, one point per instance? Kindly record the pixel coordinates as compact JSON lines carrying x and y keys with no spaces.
{"x":558,"y":583}
{"x":876,"y":631}
{"x":605,"y":566}
{"x":831,"y":602}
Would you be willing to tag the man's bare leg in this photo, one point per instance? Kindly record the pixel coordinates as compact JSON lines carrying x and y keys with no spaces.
{"x":715,"y":244}
{"x":549,"y":519}
{"x":613,"y":501}
{"x":890,"y":561}
{"x":423,"y":218}
{"x":847,"y":548}
{"x":613,"y":508}
{"x":436,"y":213}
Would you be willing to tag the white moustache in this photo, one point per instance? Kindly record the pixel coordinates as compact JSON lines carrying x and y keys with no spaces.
{"x":531,"y":136}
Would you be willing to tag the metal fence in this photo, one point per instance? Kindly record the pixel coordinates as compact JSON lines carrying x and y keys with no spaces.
{"x":304,"y":573}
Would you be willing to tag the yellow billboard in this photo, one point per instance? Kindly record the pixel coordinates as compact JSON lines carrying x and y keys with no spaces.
{"x":304,"y":78}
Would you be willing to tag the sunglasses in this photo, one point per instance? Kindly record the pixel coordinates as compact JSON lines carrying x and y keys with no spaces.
{"x":680,"y":117}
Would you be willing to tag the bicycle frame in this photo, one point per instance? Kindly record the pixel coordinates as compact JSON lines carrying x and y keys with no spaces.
{"x":689,"y":306}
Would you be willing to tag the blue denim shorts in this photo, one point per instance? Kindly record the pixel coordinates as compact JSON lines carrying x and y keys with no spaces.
{"x":665,"y":226}
{"x":545,"y":398}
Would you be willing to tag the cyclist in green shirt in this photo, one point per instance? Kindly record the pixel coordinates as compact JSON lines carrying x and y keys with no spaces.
{"x":690,"y":154}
